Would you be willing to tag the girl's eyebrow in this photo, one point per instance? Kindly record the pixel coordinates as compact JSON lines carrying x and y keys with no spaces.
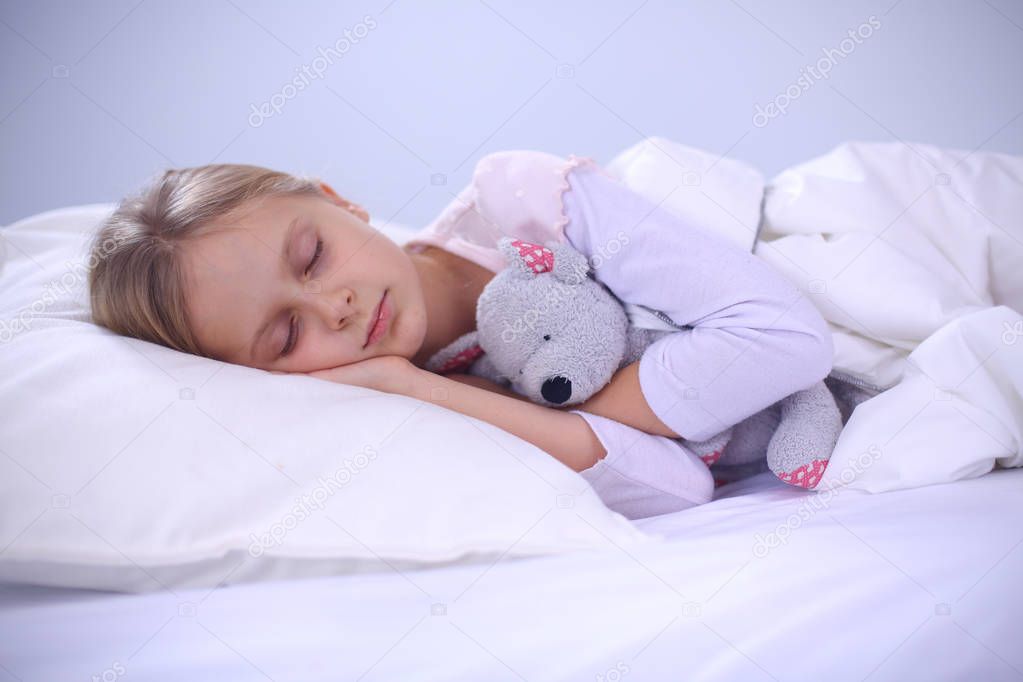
{"x":286,"y":246}
{"x":289,"y":239}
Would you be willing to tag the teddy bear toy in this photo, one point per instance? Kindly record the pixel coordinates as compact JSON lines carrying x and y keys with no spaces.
{"x":548,"y":330}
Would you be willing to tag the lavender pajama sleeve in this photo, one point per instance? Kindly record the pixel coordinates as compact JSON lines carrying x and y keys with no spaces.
{"x":755,"y":339}
{"x":642,"y":474}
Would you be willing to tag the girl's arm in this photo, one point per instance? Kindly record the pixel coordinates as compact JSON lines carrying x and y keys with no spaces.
{"x":634,"y":473}
{"x":622,"y":400}
{"x":480,"y":382}
{"x":637,"y":474}
{"x":565,"y":436}
{"x":570,"y":440}
{"x":754,"y":339}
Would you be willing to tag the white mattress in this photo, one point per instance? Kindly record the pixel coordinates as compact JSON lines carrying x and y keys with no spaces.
{"x":911,"y":584}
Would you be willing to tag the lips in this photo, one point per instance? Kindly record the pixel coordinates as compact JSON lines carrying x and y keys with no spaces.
{"x":380,"y":320}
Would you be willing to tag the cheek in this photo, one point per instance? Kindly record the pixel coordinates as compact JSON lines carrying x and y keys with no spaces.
{"x":381,"y":260}
{"x":319,"y":353}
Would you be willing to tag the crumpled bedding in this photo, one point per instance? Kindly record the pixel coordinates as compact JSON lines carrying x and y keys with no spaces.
{"x":914,"y":256}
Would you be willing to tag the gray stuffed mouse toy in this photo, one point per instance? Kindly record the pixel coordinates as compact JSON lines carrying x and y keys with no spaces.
{"x":548,"y":330}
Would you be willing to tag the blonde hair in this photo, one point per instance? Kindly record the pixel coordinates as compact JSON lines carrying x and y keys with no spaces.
{"x":136,"y":284}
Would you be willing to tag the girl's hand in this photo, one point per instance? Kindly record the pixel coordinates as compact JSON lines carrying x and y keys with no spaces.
{"x":388,"y":373}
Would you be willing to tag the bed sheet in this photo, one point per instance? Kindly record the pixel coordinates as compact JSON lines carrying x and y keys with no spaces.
{"x":765,"y":582}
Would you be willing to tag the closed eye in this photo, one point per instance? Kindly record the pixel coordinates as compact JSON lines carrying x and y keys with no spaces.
{"x":289,"y":344}
{"x":292,"y":339}
{"x":316,"y":256}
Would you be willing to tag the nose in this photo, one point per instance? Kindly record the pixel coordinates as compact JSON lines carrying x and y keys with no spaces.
{"x":333,"y":307}
{"x":556,"y":390}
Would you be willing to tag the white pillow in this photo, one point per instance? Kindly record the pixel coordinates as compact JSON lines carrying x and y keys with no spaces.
{"x":700,"y":187}
{"x":128,"y":466}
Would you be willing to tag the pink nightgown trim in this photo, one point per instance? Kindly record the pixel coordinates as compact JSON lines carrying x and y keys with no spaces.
{"x":512,"y":193}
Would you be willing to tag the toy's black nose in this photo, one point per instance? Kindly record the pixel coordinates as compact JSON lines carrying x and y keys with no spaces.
{"x":556,"y":390}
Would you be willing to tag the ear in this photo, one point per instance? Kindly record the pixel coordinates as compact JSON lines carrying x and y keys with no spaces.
{"x":570,"y":266}
{"x":525,"y":259}
{"x":559,"y":258}
{"x":353,"y":208}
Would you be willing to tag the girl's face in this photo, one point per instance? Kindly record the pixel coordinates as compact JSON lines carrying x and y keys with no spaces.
{"x":292,"y":283}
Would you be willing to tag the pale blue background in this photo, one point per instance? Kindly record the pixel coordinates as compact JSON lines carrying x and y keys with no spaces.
{"x":436,"y":85}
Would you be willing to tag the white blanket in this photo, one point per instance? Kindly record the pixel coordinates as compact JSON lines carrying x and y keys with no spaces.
{"x":914,"y":255}
{"x":768,"y":582}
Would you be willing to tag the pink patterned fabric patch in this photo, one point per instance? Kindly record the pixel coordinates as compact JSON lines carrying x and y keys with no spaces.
{"x":462,"y":360}
{"x":536,"y":257}
{"x":711,"y":458}
{"x":806,"y":476}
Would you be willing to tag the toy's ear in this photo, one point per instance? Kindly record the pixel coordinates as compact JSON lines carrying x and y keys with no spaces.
{"x":525,"y":259}
{"x":570,"y":266}
{"x":529,"y":259}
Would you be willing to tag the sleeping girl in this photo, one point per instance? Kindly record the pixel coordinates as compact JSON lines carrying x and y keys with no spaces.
{"x":261,"y":268}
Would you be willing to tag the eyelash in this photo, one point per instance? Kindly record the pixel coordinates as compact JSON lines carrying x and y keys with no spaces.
{"x":289,"y":344}
{"x":316,"y":256}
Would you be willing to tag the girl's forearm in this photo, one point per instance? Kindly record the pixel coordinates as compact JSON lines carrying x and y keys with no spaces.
{"x":480,"y":382}
{"x":563,"y":435}
{"x":622,"y":399}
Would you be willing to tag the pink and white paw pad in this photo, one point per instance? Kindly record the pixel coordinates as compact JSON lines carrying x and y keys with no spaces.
{"x":711,"y":458}
{"x":806,"y":476}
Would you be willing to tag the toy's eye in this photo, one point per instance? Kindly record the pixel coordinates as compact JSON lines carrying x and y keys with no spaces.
{"x":546,"y":337}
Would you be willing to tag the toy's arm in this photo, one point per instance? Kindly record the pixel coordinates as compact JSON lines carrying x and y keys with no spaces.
{"x":463,"y":355}
{"x":484,"y":367}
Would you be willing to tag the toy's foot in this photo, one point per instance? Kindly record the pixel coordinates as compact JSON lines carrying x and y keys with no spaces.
{"x":806,"y":476}
{"x":709,"y":451}
{"x":711,"y":458}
